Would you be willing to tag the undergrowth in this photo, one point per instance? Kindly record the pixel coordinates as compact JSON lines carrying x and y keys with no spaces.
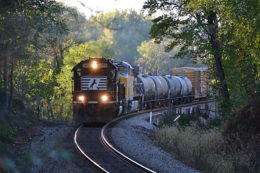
{"x":201,"y":145}
{"x":11,"y":123}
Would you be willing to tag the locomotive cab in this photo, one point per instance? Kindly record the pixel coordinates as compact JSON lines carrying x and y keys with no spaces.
{"x":95,"y":90}
{"x":127,"y":87}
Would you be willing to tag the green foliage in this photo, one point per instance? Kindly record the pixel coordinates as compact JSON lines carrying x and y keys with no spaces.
{"x":216,"y":122}
{"x":186,"y":120}
{"x":242,"y":47}
{"x":34,"y":82}
{"x":225,"y":30}
{"x":126,"y":30}
{"x":90,"y":49}
{"x":167,"y":119}
{"x":178,"y":27}
{"x":155,"y":60}
{"x":183,"y":121}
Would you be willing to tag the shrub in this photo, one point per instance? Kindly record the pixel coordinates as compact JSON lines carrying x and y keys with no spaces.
{"x":202,"y":149}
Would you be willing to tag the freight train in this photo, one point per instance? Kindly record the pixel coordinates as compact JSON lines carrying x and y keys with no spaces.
{"x":104,"y":89}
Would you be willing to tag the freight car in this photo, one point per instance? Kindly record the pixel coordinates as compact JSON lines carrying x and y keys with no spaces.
{"x":199,"y":78}
{"x":104,"y":89}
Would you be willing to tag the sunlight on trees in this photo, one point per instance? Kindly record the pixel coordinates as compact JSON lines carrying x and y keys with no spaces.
{"x":125,"y":29}
{"x":155,"y":60}
{"x":224,"y":31}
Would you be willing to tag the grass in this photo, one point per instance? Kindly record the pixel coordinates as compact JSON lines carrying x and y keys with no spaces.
{"x":202,"y":148}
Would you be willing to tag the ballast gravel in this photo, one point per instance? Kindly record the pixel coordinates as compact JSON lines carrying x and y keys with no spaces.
{"x":51,"y":150}
{"x":132,"y":138}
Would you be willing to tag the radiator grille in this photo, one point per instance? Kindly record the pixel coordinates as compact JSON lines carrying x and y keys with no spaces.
{"x":93,"y":83}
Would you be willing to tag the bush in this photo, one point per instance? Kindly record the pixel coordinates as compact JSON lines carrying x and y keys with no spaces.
{"x":183,"y":121}
{"x":189,"y":120}
{"x":202,"y":149}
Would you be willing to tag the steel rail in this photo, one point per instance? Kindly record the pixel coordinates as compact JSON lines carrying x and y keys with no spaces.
{"x":111,"y":147}
{"x":84,"y":154}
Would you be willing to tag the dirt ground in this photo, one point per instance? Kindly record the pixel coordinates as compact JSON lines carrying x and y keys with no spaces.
{"x":48,"y":147}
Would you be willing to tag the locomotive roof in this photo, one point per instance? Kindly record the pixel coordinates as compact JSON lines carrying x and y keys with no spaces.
{"x":102,"y":59}
{"x":124,"y":64}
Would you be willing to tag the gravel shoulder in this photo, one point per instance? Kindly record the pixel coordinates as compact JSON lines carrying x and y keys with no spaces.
{"x":132,"y":137}
{"x":51,"y":149}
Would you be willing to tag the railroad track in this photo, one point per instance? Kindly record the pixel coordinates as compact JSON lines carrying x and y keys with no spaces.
{"x":90,"y":144}
{"x":95,"y":145}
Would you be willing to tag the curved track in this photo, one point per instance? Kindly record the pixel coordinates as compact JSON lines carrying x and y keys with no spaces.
{"x":81,"y":150}
{"x":106,"y":141}
{"x":94,"y":144}
{"x":90,"y":145}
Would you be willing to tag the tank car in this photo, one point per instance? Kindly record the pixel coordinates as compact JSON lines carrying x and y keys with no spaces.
{"x":164,"y":90}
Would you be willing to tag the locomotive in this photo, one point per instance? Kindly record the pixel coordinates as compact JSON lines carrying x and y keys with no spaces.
{"x":104,"y":89}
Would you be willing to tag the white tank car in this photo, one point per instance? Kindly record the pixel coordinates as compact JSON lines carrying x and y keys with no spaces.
{"x":165,"y":87}
{"x":146,"y":87}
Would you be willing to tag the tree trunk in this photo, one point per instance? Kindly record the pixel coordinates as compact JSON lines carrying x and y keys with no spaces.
{"x":5,"y":83}
{"x":2,"y":82}
{"x":61,"y":50}
{"x":10,"y":101}
{"x":50,"y":113}
{"x":217,"y":52}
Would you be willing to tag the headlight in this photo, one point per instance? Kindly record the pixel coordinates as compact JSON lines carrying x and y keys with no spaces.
{"x":94,"y":64}
{"x":81,"y":98}
{"x":104,"y":98}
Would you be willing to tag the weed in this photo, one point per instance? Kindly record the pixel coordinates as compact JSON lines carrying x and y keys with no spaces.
{"x":203,"y":149}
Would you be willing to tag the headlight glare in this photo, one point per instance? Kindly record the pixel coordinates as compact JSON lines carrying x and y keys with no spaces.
{"x":104,"y":98}
{"x":81,"y":98}
{"x":94,"y":64}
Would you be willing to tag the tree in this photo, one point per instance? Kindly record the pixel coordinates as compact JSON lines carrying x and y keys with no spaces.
{"x":17,"y":32}
{"x":193,"y":24}
{"x":34,"y":34}
{"x":125,"y":29}
{"x":154,"y":59}
{"x":241,"y":47}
